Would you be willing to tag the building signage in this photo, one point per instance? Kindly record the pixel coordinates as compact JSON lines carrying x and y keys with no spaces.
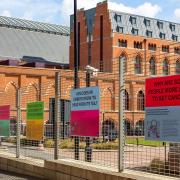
{"x":5,"y":120}
{"x":85,"y":112}
{"x":35,"y":121}
{"x":162,"y":121}
{"x":35,"y":110}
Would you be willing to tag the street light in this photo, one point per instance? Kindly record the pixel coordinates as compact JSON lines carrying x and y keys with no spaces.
{"x":76,"y":67}
{"x":89,"y":71}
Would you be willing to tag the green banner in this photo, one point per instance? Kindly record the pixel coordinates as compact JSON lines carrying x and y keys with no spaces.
{"x":35,"y":111}
{"x":4,"y":128}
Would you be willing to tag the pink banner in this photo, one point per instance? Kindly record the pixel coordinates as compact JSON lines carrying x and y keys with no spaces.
{"x":85,"y":123}
{"x":5,"y":112}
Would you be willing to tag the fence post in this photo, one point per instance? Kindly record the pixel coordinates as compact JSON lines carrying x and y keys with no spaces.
{"x":57,"y":115}
{"x":88,"y":149}
{"x":18,"y":126}
{"x":121,"y":115}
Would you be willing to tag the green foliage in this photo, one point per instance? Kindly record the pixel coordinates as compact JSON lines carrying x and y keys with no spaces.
{"x":108,"y":146}
{"x":142,"y":141}
{"x":69,"y":144}
{"x":49,"y":143}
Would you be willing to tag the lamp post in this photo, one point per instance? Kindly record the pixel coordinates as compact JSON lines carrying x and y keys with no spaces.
{"x":103,"y":128}
{"x":88,"y":150}
{"x":76,"y":140}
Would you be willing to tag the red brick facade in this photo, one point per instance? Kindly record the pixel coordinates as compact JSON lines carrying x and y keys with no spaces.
{"x":111,"y":54}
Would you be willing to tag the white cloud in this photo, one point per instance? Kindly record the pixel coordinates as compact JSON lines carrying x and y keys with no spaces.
{"x":31,"y":9}
{"x":6,"y":13}
{"x":58,"y":11}
{"x":28,"y":16}
{"x":177,"y":13}
{"x":146,"y":9}
{"x":66,"y":7}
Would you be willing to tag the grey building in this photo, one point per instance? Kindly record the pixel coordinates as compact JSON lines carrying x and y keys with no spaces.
{"x":21,"y":39}
{"x":144,"y":26}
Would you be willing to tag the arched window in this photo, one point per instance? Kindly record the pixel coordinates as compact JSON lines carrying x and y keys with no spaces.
{"x":128,"y":128}
{"x":139,"y":129}
{"x":137,"y":65}
{"x":152,"y":66}
{"x":126,"y":100}
{"x":109,"y":130}
{"x":107,"y":100}
{"x":165,"y":67}
{"x":178,"y":67}
{"x":140,"y":101}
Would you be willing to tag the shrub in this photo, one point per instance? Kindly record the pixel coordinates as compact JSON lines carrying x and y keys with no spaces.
{"x":108,"y":146}
{"x":69,"y":144}
{"x":49,"y":143}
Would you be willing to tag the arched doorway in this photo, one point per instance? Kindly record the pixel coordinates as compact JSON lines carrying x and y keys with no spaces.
{"x":109,"y":130}
{"x":139,"y":128}
{"x":128,"y":128}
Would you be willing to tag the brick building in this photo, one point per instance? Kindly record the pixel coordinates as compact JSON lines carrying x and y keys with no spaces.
{"x":30,"y":54}
{"x":149,"y":46}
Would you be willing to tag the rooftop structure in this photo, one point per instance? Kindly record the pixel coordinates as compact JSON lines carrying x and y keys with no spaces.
{"x":19,"y":38}
{"x":136,"y":25}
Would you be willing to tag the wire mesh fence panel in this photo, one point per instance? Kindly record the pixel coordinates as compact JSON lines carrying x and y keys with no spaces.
{"x":8,"y":122}
{"x":103,"y":149}
{"x":140,"y":154}
{"x":37,"y":110}
{"x":121,"y":140}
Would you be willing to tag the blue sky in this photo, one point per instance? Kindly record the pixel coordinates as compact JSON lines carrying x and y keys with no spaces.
{"x":57,"y":11}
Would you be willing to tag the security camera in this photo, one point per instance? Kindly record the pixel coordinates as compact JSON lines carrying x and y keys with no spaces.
{"x":91,"y":70}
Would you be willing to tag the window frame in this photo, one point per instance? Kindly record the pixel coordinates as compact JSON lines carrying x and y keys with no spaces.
{"x":152,"y":67}
{"x":177,"y":70}
{"x":118,"y":29}
{"x":135,"y":30}
{"x":165,"y":67}
{"x":147,"y":22}
{"x":138,"y":65}
{"x":133,"y":20}
{"x":147,"y":33}
{"x":140,"y":101}
{"x":162,"y":35}
{"x":160,"y":25}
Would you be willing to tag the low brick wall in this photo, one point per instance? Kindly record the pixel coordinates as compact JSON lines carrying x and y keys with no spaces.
{"x":68,"y":170}
{"x":80,"y":171}
{"x":22,"y":166}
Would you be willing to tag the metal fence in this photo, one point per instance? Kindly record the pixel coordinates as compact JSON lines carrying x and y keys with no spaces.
{"x":121,"y":144}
